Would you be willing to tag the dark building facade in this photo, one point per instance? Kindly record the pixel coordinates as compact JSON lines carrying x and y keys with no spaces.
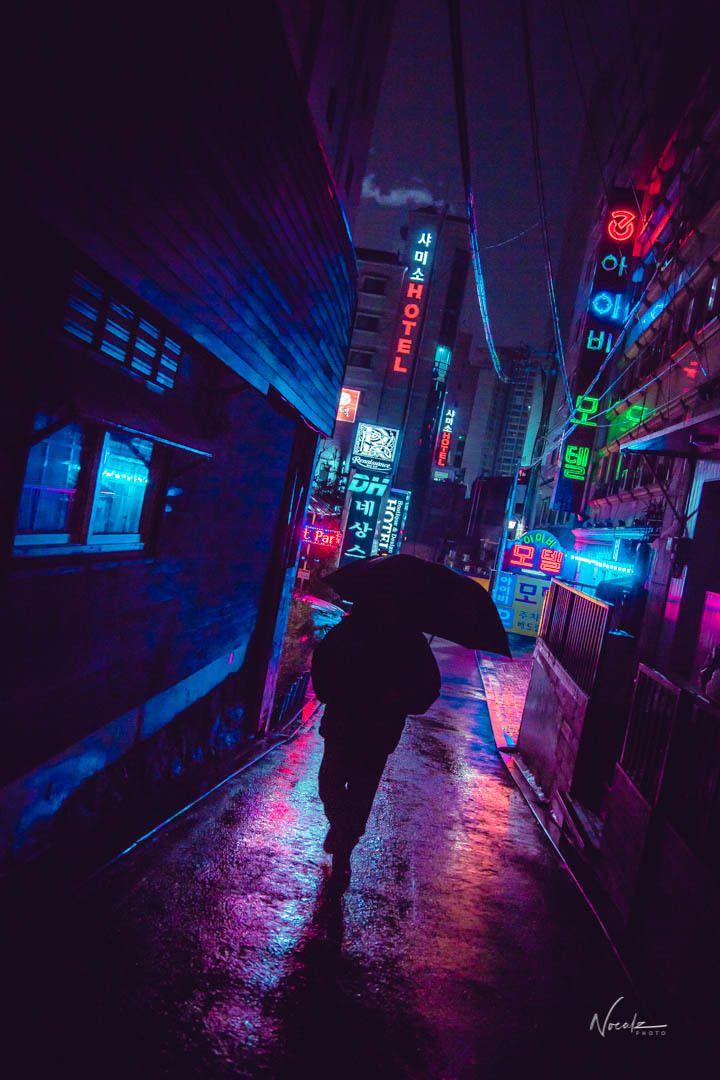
{"x":175,"y":332}
{"x":621,"y":723}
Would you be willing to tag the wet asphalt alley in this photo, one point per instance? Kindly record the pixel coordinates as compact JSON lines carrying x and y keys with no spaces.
{"x":218,"y":949}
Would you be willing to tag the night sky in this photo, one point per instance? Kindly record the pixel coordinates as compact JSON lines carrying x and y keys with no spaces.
{"x":415,"y":158}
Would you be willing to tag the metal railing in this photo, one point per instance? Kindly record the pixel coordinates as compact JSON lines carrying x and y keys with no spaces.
{"x":653,"y":714}
{"x":691,"y":788}
{"x":573,"y":627}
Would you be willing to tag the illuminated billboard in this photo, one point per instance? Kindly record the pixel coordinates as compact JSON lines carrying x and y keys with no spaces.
{"x":348,"y":405}
{"x":375,"y":448}
{"x":321,"y":536}
{"x":392,"y":522}
{"x":537,"y":551}
{"x":366,"y":492}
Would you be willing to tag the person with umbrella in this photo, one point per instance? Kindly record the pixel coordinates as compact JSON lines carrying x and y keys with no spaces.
{"x":376,"y":667}
{"x":372,"y":670}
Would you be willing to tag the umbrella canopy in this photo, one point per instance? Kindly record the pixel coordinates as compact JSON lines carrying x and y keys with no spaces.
{"x":436,"y":599}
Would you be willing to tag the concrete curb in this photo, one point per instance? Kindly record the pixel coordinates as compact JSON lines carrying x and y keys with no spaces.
{"x":302,"y":721}
{"x":539,"y":807}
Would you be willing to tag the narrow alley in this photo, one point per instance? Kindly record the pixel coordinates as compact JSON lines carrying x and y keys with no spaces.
{"x":216,"y":948}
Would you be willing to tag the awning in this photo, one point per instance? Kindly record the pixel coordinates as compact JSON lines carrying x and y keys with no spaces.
{"x":698,"y":437}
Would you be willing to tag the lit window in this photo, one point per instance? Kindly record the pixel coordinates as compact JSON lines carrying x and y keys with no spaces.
{"x":122,"y":481}
{"x":50,"y":490}
{"x":85,"y":489}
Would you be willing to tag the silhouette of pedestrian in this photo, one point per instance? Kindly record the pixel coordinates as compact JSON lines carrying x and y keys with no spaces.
{"x":371,"y":670}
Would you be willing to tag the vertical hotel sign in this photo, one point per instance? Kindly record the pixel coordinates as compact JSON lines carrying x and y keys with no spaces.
{"x":372,"y":459}
{"x":413,"y":301}
{"x":606,"y":313}
{"x":391,"y":526}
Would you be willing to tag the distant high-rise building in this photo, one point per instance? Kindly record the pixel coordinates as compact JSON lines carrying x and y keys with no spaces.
{"x":503,"y":412}
{"x":339,"y":49}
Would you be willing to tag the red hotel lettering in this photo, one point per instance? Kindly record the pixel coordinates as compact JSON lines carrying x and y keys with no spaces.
{"x":444,"y":445}
{"x":411,"y":313}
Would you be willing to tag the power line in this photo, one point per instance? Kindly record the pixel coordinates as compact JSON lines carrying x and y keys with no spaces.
{"x":540,"y":187}
{"x":461,"y":113}
{"x":517,"y":236}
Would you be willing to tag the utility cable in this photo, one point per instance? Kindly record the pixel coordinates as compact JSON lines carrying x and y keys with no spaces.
{"x":461,"y":113}
{"x":540,"y":187}
{"x":504,"y":243}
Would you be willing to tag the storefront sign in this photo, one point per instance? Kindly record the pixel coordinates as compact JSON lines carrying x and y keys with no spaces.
{"x":413,"y":300}
{"x":519,"y":600}
{"x":348,"y":406}
{"x":607,"y":311}
{"x":321,"y":536}
{"x":538,"y":550}
{"x":375,"y":448}
{"x":366,"y":492}
{"x":392,"y":522}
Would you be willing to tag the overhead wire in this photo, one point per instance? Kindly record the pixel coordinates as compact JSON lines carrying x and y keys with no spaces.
{"x":461,"y":114}
{"x":540,"y":188}
{"x":511,"y":239}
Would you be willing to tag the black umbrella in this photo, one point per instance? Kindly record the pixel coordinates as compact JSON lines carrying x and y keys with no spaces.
{"x":436,"y":599}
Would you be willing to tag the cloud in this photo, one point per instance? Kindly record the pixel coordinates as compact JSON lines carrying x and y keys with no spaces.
{"x":398,"y":196}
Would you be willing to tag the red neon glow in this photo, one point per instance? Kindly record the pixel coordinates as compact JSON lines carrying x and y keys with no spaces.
{"x":348,"y":405}
{"x":408,"y":326}
{"x":445,"y":440}
{"x":522,"y":555}
{"x":317,"y":534}
{"x":621,"y":226}
{"x":551,"y":560}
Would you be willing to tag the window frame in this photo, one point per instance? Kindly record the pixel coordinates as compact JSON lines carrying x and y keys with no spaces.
{"x":81,"y":539}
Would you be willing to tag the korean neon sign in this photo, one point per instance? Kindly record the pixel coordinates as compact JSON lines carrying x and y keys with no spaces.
{"x":412,"y":301}
{"x":348,"y":405}
{"x":576,"y":460}
{"x":538,"y":551}
{"x":445,"y":438}
{"x":365,"y":493}
{"x":608,"y":309}
{"x":621,"y":226}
